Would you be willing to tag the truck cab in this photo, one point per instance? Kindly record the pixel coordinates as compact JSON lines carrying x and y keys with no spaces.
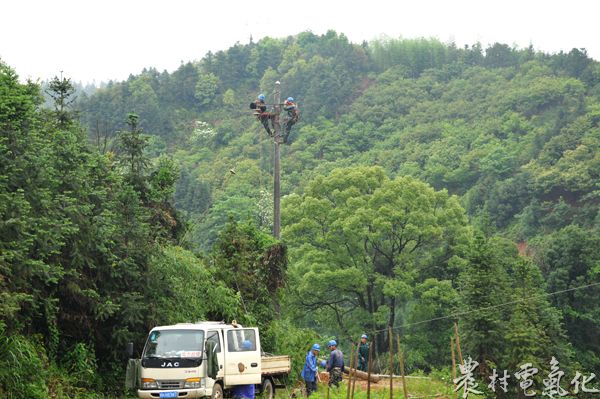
{"x":196,"y":360}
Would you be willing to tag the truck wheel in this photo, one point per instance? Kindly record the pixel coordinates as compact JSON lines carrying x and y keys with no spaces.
{"x":217,"y":392}
{"x":268,"y":390}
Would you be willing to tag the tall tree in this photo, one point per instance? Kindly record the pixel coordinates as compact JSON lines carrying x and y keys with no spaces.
{"x":506,"y":319}
{"x":362,"y":242}
{"x":570,"y":258}
{"x":62,"y":91}
{"x":132,"y":144}
{"x":254,"y":265}
{"x":484,"y":284}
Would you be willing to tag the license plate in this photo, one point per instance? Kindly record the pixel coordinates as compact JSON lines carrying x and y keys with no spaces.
{"x":168,"y":394}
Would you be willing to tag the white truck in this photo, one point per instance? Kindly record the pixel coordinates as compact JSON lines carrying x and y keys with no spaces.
{"x":206,"y":359}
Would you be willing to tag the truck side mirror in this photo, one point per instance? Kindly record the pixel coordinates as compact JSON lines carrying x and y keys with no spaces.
{"x":129,"y":349}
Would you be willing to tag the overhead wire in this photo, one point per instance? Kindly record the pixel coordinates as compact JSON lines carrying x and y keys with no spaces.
{"x":485,"y":308}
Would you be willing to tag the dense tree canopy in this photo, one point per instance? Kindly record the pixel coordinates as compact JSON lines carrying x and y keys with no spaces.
{"x":85,"y":250}
{"x":512,"y":132}
{"x":362,"y":242}
{"x":424,"y":182}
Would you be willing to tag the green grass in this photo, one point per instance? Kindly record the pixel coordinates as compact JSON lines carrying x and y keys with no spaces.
{"x":417,"y":388}
{"x":431,"y":388}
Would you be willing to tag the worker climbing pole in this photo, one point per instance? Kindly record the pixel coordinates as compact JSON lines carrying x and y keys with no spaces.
{"x":267,"y":118}
{"x":293,"y":114}
{"x":270,"y":121}
{"x":260,"y":110}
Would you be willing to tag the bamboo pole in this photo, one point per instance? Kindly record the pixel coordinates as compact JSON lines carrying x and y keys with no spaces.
{"x":401,"y":358}
{"x":453,"y":361}
{"x":354,"y":375}
{"x":369,"y":367}
{"x":391,"y":339}
{"x":460,"y":358}
{"x":350,"y":375}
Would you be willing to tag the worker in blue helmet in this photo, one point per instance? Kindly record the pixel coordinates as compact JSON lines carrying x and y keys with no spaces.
{"x":310,"y":370}
{"x":247,"y":345}
{"x":247,"y":391}
{"x":363,"y":353}
{"x":335,"y":364}
{"x":260,"y":110}
{"x":292,"y":116}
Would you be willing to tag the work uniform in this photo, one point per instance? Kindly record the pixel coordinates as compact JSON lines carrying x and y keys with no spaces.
{"x":335,"y":366}
{"x":309,"y":373}
{"x":363,"y":356}
{"x":292,"y":117}
{"x":262,"y":115}
{"x":244,"y":391}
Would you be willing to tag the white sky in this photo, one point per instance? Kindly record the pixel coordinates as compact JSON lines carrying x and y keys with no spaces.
{"x":109,"y":39}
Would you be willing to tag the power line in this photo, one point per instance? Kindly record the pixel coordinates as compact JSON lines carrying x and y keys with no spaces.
{"x":457,"y":314}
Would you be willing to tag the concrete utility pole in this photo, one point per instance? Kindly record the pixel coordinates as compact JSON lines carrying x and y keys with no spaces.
{"x":276,"y":165}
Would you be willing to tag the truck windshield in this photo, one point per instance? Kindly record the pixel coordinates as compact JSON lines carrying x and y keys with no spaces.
{"x":174,"y":344}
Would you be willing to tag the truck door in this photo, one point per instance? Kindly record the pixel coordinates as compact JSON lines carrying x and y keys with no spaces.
{"x":215,"y":337}
{"x":242,"y":357}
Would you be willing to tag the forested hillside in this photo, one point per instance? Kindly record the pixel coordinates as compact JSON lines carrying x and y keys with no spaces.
{"x":423,"y":180}
{"x":89,"y":255}
{"x":512,"y":132}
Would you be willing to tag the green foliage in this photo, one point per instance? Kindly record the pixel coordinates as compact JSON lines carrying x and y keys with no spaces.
{"x":283,"y":336}
{"x":26,"y":371}
{"x":509,"y":130}
{"x":80,"y":231}
{"x":422,"y":386}
{"x":535,"y":330}
{"x":427,"y":343}
{"x":361,"y":242}
{"x":416,"y":55}
{"x":80,"y":363}
{"x":61,"y":90}
{"x":252,"y":264}
{"x":570,"y":258}
{"x":484,"y":284}
{"x":505,"y":317}
{"x":184,"y":290}
{"x":22,"y":368}
{"x":206,"y":89}
{"x":132,"y":144}
{"x":90,"y":255}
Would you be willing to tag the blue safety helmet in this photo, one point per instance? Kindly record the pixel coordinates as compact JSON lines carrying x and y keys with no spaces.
{"x":261,"y":97}
{"x":290,"y":99}
{"x":331,"y":343}
{"x":364,"y":336}
{"x":246,"y":345}
{"x":316,"y":347}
